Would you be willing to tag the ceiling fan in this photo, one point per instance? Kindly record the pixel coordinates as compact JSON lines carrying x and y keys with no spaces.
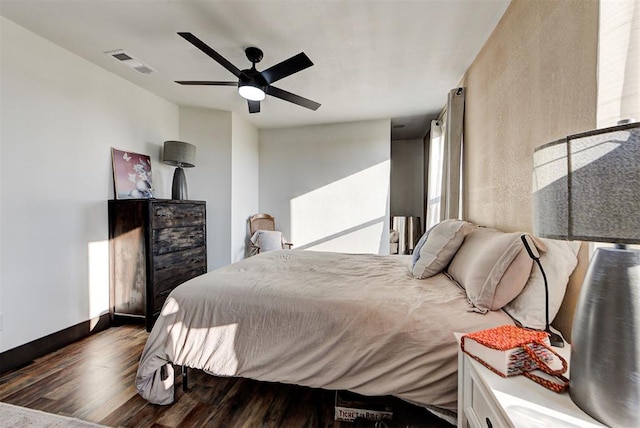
{"x":253,"y":85}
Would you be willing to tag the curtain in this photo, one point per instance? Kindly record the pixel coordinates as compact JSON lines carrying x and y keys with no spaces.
{"x":435,"y":173}
{"x":444,"y":187}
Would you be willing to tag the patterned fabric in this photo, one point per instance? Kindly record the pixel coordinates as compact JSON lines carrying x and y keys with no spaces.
{"x":507,"y":337}
{"x":528,"y":351}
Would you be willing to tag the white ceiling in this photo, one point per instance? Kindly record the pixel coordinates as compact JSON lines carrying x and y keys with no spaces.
{"x":372,"y":59}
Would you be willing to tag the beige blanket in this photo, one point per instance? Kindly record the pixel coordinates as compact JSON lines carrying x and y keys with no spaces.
{"x":355,"y":322}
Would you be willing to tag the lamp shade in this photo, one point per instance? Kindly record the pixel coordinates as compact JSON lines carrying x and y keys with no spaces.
{"x":179,"y":153}
{"x":587,"y":186}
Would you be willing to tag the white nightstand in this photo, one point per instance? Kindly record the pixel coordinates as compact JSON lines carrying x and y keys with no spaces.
{"x":488,"y":400}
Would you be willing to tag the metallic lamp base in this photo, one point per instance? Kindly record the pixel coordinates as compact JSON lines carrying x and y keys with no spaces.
{"x":179,"y":187}
{"x":605,"y":349}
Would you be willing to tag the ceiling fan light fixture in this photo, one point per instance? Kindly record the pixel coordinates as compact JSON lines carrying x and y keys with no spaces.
{"x":253,"y":85}
{"x":251,"y":92}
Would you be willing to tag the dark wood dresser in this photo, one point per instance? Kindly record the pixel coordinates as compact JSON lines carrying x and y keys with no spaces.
{"x":154,"y":246}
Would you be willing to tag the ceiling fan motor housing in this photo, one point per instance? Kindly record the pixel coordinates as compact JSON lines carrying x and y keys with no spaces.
{"x":252,"y":77}
{"x":253,"y":54}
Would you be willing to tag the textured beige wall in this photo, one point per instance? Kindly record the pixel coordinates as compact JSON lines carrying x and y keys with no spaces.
{"x":533,"y":82}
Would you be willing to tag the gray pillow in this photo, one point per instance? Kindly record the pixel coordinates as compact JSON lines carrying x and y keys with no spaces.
{"x":492,"y":266}
{"x":441,"y":244}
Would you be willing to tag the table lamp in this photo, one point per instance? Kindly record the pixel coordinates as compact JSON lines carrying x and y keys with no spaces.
{"x":587,"y":187}
{"x":181,"y":155}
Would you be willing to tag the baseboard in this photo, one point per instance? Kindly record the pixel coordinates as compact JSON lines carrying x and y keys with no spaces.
{"x":25,"y":354}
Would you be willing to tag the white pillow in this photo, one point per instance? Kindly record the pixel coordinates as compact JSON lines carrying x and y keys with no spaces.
{"x":439,"y":246}
{"x":559,"y":261}
{"x":268,"y":240}
{"x":492,"y":266}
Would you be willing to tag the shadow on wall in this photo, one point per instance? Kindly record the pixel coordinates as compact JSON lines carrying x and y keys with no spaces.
{"x":348,"y":215}
{"x":328,"y":185}
{"x":351,"y":235}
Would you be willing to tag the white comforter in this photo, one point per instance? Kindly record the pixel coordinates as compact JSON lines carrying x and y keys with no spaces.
{"x":326,"y":320}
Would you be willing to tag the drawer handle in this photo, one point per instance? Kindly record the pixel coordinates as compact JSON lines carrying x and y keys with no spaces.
{"x":489,"y":424}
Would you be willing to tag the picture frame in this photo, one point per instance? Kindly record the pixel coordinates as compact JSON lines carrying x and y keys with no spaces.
{"x":131,"y":175}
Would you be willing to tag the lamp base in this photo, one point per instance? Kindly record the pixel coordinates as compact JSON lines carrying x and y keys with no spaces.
{"x":179,"y":187}
{"x":605,"y":355}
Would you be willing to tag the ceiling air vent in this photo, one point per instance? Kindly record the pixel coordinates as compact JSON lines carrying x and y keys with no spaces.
{"x":130,"y":61}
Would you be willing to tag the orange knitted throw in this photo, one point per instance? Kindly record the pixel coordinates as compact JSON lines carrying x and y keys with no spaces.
{"x":524,"y":351}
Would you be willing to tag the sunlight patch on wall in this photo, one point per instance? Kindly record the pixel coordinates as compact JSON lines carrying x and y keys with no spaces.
{"x":618,"y":62}
{"x":98,"y":278}
{"x":360,"y":240}
{"x":347,"y":215}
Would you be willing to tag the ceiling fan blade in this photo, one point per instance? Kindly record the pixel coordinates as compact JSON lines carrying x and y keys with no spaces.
{"x":292,"y":98}
{"x":206,"y":82}
{"x":254,"y":106}
{"x":213,"y":54}
{"x":287,"y":67}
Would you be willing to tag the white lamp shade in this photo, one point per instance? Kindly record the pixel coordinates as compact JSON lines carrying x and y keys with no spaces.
{"x":179,"y":153}
{"x":587,"y":186}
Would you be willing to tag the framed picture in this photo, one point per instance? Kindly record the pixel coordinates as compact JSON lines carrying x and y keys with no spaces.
{"x":131,"y":175}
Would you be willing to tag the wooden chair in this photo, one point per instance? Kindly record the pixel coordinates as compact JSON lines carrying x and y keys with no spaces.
{"x":262,"y":221}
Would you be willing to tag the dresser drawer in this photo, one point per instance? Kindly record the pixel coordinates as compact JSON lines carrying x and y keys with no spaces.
{"x":167,"y":286}
{"x":177,"y":239}
{"x":172,"y":269}
{"x":176,"y":215}
{"x":178,"y":264}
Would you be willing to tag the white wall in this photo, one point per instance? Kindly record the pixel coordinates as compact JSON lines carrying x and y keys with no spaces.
{"x":225,"y":175}
{"x":60,"y":117}
{"x":328,"y":186}
{"x":211,"y":132}
{"x":618,"y":62}
{"x":244,"y":183}
{"x":407,"y":178}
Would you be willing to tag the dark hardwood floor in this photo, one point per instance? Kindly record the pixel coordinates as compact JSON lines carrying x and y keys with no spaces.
{"x":93,"y":380}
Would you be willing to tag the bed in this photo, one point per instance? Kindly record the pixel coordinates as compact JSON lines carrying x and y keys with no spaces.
{"x":359,"y":322}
